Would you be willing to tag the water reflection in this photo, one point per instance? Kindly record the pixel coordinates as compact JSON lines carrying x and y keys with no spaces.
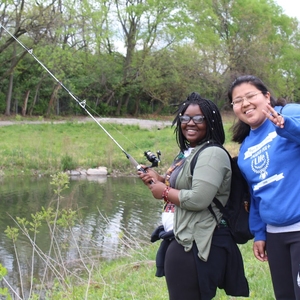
{"x":114,"y":214}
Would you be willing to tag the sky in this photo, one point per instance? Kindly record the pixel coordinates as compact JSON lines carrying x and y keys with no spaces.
{"x":290,"y":7}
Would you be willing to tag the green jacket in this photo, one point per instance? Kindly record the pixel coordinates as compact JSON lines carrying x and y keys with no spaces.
{"x":212,"y":178}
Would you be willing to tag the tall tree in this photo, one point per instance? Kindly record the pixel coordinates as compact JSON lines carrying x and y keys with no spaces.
{"x":240,"y":36}
{"x":144,"y":24}
{"x":22,"y":16}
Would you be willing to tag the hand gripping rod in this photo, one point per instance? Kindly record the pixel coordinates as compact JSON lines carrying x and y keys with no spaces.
{"x":81,"y":103}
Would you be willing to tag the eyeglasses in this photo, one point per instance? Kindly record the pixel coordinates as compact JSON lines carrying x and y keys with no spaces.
{"x":239,"y":101}
{"x":196,"y":119}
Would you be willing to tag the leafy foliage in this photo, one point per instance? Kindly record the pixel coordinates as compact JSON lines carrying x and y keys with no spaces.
{"x":140,"y":57}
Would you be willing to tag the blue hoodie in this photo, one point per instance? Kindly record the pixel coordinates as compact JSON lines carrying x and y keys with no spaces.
{"x":269,"y":159}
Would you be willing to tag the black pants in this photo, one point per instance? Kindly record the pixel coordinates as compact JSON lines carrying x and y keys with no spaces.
{"x":283,"y":251}
{"x":181,"y":273}
{"x":190,"y":278}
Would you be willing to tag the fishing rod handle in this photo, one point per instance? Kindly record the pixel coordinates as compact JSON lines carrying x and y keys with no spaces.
{"x":140,"y":168}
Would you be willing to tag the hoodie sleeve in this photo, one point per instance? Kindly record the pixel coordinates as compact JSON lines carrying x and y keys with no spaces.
{"x":257,"y":226}
{"x":291,"y":129}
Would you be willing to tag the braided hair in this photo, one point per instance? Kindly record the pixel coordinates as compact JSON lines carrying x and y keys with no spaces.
{"x":213,"y":119}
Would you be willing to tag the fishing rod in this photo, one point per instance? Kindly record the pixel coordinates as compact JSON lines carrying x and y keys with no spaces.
{"x":82,"y":103}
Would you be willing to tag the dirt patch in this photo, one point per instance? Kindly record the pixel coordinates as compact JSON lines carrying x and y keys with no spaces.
{"x":148,"y":124}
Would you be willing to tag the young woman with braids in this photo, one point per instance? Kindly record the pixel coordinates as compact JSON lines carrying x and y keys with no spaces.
{"x":203,"y":255}
{"x":269,"y":158}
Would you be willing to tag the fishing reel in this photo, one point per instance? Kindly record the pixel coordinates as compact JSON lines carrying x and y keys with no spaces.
{"x":155,"y":160}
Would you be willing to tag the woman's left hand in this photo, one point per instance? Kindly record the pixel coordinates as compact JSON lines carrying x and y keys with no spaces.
{"x":157,"y":189}
{"x":274,"y":116}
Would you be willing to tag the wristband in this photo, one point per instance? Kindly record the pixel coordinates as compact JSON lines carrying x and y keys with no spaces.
{"x":165,"y":193}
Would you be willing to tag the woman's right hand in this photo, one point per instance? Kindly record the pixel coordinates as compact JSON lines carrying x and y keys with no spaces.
{"x":259,"y":250}
{"x":150,"y":175}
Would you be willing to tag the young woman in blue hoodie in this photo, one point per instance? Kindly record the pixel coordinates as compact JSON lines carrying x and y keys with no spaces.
{"x":269,"y":158}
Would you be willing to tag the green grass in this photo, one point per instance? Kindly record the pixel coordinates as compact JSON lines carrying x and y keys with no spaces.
{"x":32,"y":149}
{"x":134,"y":278}
{"x":45,"y":148}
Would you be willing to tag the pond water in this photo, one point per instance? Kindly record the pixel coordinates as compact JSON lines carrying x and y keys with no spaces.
{"x":112,"y":215}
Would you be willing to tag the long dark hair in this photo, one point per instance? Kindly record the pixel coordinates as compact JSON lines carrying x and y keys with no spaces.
{"x":240,"y":129}
{"x":213,"y":119}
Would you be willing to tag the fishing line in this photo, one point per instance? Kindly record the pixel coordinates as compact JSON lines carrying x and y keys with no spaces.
{"x":82,"y":103}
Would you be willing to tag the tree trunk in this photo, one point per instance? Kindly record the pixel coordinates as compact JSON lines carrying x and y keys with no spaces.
{"x":159,"y":109}
{"x":118,"y":111}
{"x":35,"y":96}
{"x":127,"y":97}
{"x":24,"y":108}
{"x":137,"y":107}
{"x":11,"y":84}
{"x":9,"y":94}
{"x":53,"y":97}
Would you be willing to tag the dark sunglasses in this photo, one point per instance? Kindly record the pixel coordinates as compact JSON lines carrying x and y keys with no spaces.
{"x":196,"y":119}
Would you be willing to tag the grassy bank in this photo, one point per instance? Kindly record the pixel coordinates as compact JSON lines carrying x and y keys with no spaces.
{"x":47,"y":148}
{"x":42,"y":149}
{"x":134,"y":278}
